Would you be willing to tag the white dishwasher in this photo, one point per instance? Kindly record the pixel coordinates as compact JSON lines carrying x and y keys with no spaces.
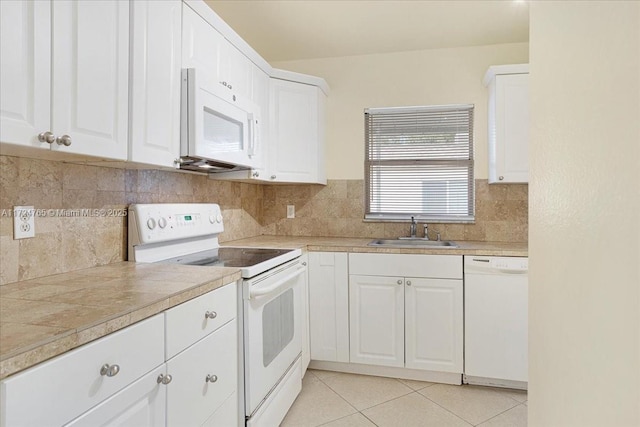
{"x":495,"y":321}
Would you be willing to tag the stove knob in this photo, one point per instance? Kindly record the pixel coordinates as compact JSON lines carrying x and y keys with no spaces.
{"x":212,"y":219}
{"x":219,"y":218}
{"x":151,"y":223}
{"x":162,"y":222}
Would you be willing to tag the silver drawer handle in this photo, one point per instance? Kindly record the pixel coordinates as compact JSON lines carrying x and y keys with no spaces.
{"x":211,"y":378}
{"x":164,"y":379}
{"x":211,"y":315}
{"x":109,"y":370}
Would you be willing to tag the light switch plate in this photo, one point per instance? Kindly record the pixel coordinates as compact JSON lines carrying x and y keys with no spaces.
{"x":291,"y":211}
{"x":24,"y":225}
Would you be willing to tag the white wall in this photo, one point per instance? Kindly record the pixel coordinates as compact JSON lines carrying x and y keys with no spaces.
{"x":584,"y":214}
{"x":428,"y":77}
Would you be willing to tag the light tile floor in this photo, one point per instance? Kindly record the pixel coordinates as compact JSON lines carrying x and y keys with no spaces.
{"x":335,"y":399}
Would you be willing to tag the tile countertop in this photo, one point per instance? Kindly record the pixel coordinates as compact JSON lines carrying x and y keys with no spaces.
{"x":42,"y":318}
{"x":350,"y":244}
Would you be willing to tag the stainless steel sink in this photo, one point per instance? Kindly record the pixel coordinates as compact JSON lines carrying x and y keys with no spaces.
{"x":412,"y":243}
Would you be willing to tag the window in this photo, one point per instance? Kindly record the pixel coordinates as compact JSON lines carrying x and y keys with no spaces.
{"x":419,"y":162}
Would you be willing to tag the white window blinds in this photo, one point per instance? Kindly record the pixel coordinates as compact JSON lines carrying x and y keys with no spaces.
{"x":419,"y":162}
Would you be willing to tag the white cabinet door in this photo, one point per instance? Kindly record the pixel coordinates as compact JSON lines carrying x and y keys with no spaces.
{"x":142,"y":404}
{"x":329,"y":306}
{"x":191,"y":398}
{"x":376,"y":311}
{"x":201,"y":45}
{"x":296,"y":142}
{"x":509,"y":129}
{"x":235,"y":70}
{"x":91,"y":76}
{"x":260,"y":97}
{"x":155,"y":82}
{"x":434,"y":324}
{"x":25,"y":71}
{"x":76,"y":382}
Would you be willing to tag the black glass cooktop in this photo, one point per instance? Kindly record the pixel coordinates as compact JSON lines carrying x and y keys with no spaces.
{"x":229,"y":257}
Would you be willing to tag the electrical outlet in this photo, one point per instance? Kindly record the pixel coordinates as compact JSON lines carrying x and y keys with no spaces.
{"x":291,"y":211}
{"x":24,"y":225}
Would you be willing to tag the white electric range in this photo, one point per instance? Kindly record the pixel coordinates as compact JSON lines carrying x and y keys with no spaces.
{"x":270,"y":295}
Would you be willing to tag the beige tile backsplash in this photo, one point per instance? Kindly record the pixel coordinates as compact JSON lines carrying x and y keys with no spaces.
{"x":65,"y":244}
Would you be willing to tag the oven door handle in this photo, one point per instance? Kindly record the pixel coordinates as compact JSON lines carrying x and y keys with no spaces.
{"x":255,"y":292}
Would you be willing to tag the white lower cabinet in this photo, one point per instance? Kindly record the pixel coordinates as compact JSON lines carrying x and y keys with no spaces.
{"x":59,"y":390}
{"x":124,"y":379}
{"x":203,"y":377}
{"x":376,"y":320}
{"x":329,"y":306}
{"x":412,"y":322}
{"x":140,"y":404}
{"x":433,"y":312}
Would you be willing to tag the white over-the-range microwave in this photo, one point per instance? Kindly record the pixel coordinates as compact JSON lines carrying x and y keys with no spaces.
{"x":219,"y":130}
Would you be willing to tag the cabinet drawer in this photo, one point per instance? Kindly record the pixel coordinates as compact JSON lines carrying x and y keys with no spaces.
{"x":188,"y":322}
{"x":410,"y":265}
{"x":191,"y":399}
{"x":57,"y":391}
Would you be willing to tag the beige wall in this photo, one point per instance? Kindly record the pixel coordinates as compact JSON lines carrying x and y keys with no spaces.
{"x":584,"y":242}
{"x":428,"y":77}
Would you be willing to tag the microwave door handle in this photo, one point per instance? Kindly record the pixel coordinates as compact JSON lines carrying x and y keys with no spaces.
{"x":256,"y":291}
{"x":252,"y":135}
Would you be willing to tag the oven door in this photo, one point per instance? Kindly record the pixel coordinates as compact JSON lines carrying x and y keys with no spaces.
{"x":272,"y":336}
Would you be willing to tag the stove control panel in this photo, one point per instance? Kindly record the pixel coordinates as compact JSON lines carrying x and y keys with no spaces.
{"x":152,"y":223}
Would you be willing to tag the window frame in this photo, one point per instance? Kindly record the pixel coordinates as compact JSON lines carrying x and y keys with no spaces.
{"x":440,"y":161}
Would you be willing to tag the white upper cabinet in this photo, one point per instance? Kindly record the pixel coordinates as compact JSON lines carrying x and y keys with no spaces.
{"x":25,"y":72}
{"x":201,"y":45}
{"x":207,"y":50}
{"x":83,"y":101}
{"x":296,"y":132}
{"x":235,"y":70}
{"x":508,"y":123}
{"x":91,"y":77}
{"x":155,"y":82}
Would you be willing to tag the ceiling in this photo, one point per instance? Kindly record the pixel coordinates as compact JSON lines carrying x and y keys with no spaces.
{"x":282,"y":30}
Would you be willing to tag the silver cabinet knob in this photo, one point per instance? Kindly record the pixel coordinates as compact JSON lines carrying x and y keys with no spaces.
{"x":211,"y":378}
{"x":408,"y":282}
{"x":64,"y":140}
{"x":211,"y":315}
{"x":273,"y":177}
{"x":399,"y":282}
{"x":164,"y":379}
{"x":501,"y":178}
{"x":304,"y":263}
{"x":109,"y":370}
{"x":47,"y":137}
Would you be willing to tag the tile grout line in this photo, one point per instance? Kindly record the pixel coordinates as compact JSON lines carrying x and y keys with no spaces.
{"x":497,"y":415}
{"x":451,"y":412}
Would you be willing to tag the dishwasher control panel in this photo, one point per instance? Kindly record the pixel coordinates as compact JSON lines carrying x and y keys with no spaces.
{"x":489,"y":264}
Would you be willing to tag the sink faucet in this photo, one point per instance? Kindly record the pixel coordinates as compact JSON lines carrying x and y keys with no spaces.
{"x":412,"y":228}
